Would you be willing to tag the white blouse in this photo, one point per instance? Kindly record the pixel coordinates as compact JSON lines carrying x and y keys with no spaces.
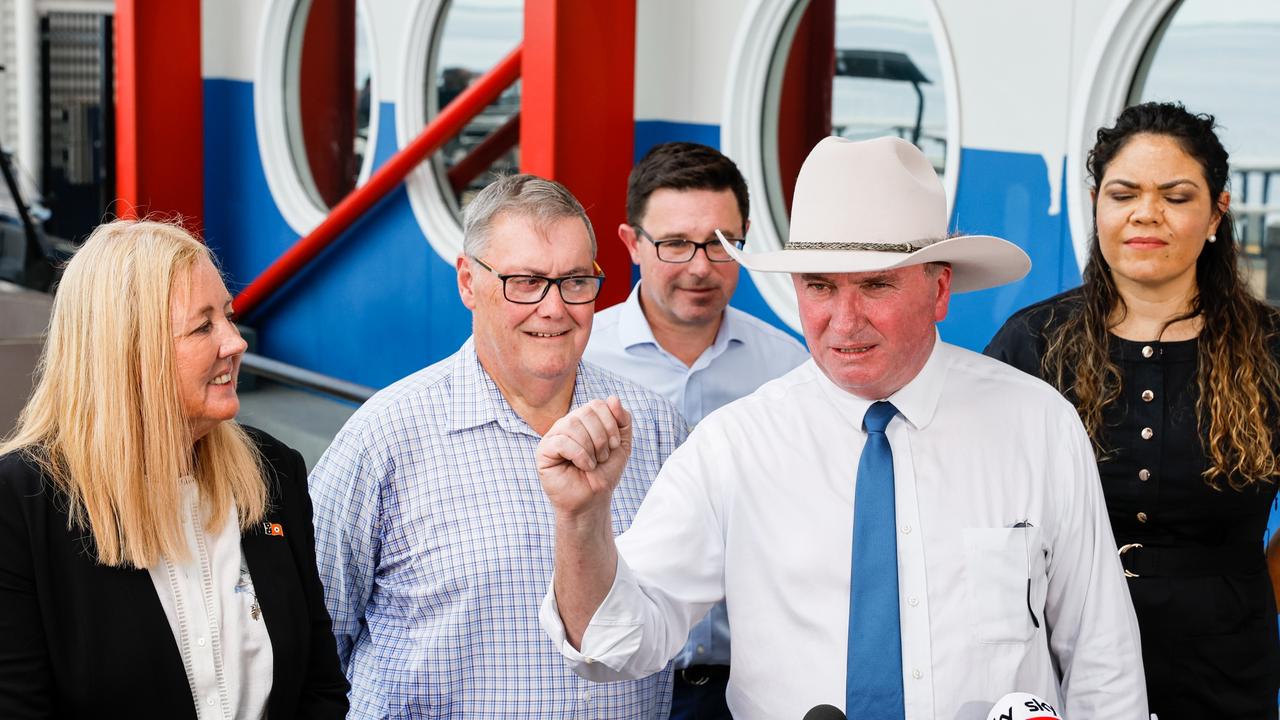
{"x":213,"y":610}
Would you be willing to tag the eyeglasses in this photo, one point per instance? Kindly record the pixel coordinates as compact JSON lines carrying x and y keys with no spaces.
{"x":531,"y":289}
{"x":681,"y":250}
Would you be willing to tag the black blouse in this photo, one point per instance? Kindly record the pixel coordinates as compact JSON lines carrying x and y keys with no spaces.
{"x":1203,"y":596}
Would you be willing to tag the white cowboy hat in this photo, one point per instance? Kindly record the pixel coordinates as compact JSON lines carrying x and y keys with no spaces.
{"x":877,"y":205}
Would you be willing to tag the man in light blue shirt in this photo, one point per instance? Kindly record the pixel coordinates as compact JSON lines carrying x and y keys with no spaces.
{"x":677,"y":336}
{"x":433,"y":537}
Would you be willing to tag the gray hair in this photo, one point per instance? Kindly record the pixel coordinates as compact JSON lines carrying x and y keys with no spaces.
{"x":523,"y":195}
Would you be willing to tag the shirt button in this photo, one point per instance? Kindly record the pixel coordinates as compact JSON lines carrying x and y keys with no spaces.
{"x":1142,"y":517}
{"x":1147,"y":433}
{"x":917,"y":674}
{"x":1148,"y":351}
{"x":701,"y":649}
{"x":1144,"y":474}
{"x":906,"y":529}
{"x":200,"y":642}
{"x":586,"y":696}
{"x":589,"y":661}
{"x":212,"y":700}
{"x":1148,"y":396}
{"x":913,"y":601}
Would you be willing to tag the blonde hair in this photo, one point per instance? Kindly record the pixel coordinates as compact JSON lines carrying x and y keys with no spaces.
{"x":106,"y":422}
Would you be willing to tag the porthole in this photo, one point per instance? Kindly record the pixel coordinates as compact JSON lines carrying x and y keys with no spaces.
{"x":454,"y":42}
{"x":1223,"y":59}
{"x":804,"y":70}
{"x":315,"y":102}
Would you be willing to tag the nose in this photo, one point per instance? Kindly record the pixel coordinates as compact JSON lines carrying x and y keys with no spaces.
{"x":847,"y":315}
{"x":700,"y":264}
{"x":552,"y":304}
{"x":232,"y":343}
{"x":1148,"y":210}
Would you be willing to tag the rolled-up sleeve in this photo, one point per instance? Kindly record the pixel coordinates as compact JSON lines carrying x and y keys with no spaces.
{"x":670,"y":573}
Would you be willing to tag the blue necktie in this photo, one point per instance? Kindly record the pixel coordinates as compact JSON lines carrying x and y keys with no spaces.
{"x":873,"y":678}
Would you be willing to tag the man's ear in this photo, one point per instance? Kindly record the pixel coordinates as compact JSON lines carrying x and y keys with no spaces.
{"x":465,"y":280}
{"x":631,"y":240}
{"x":943,"y":299}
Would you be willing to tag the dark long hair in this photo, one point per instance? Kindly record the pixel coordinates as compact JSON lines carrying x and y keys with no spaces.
{"x":1237,"y":376}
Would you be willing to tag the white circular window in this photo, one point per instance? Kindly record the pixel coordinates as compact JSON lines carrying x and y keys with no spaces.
{"x":452,"y":43}
{"x":1102,"y":92}
{"x":1224,"y":59}
{"x":315,"y":105}
{"x":808,"y":69}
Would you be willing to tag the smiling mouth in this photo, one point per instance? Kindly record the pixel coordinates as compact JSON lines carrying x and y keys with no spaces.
{"x":547,"y":335}
{"x":222,"y":379}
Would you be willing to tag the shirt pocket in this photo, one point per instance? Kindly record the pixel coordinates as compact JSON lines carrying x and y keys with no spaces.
{"x":1005,"y":588}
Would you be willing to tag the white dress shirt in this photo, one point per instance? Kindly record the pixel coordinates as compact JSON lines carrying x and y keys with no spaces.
{"x":757,"y":508}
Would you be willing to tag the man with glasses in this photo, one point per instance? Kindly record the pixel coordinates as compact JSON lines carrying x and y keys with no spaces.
{"x":677,"y":335}
{"x":433,"y":538}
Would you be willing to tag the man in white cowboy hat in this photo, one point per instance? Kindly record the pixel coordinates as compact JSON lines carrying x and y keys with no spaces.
{"x":901,"y":527}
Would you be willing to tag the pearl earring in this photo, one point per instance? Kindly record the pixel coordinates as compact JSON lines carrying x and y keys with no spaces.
{"x":1213,"y":238}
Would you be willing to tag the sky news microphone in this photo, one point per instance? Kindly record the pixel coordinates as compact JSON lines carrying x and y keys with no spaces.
{"x":824,"y":712}
{"x":1022,"y":706}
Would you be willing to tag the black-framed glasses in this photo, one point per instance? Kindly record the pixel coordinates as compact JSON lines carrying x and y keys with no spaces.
{"x":682,"y":250}
{"x":531,"y":289}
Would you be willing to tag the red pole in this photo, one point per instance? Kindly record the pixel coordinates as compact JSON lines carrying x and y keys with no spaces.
{"x":448,"y":123}
{"x":577,"y":122}
{"x":159,"y":156}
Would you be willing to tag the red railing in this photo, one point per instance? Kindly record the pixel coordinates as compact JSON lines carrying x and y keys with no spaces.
{"x":483,"y":155}
{"x":447,"y":124}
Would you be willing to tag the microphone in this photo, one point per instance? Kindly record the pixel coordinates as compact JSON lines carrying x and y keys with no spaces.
{"x":824,"y":712}
{"x":1022,"y":706}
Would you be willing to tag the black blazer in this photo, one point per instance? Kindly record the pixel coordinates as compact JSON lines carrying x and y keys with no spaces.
{"x":78,"y":639}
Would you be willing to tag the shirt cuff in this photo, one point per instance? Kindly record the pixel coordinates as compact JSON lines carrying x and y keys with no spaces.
{"x":612,"y":637}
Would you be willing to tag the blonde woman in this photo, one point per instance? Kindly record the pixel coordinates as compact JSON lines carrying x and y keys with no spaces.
{"x":156,"y":559}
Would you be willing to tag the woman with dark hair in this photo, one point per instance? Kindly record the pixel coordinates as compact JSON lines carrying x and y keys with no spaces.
{"x":1172,"y":365}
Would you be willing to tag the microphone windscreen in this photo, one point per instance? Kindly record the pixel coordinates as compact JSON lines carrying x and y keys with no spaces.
{"x":824,"y":712}
{"x":1022,"y":706}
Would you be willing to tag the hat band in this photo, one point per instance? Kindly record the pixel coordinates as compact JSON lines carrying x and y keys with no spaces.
{"x":873,"y":247}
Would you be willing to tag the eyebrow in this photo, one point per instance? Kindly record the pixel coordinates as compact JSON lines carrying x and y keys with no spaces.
{"x":573,"y":272}
{"x":1163,"y":186}
{"x":209,"y":309}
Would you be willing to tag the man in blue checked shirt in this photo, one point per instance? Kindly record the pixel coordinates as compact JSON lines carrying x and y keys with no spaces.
{"x":677,"y":335}
{"x":433,"y":538}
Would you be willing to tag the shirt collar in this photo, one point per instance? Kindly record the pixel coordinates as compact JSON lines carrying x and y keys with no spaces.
{"x":917,"y":401}
{"x":476,"y":400}
{"x":634,"y":329}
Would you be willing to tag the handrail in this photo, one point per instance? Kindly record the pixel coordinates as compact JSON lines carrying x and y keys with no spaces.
{"x":452,"y":118}
{"x":301,"y":377}
{"x":483,"y":155}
